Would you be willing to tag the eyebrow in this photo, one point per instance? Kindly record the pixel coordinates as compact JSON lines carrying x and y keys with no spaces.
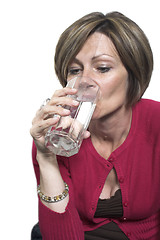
{"x":76,"y":60}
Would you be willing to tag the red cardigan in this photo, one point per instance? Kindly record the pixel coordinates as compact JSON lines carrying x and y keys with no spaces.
{"x":137,"y":163}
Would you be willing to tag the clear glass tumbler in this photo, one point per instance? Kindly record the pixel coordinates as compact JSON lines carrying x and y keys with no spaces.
{"x":65,"y":139}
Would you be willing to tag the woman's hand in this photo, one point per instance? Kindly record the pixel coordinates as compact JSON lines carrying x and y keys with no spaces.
{"x":45,"y":117}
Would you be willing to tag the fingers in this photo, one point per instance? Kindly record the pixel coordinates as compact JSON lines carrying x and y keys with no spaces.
{"x":60,"y":97}
{"x":49,"y":111}
{"x":63,"y":101}
{"x":39,"y":128}
{"x":56,"y":103}
{"x":44,"y":116}
{"x":64,"y":92}
{"x":86,"y":134}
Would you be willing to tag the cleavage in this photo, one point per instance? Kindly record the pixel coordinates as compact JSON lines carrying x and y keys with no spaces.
{"x":111,"y":185}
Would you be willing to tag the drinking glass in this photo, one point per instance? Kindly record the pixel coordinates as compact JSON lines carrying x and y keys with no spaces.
{"x":66,"y":137}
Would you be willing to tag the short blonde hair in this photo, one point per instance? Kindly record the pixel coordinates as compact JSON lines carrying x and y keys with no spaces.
{"x":128,"y":38}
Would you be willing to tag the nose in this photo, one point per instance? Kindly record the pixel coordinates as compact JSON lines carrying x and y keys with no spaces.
{"x":87,"y":73}
{"x":89,"y":77}
{"x":88,"y":84}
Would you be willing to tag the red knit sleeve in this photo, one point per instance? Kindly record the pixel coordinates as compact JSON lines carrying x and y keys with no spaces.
{"x":59,"y":226}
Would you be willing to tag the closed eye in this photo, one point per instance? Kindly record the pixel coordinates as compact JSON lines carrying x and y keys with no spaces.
{"x":103,"y":69}
{"x":74,"y":71}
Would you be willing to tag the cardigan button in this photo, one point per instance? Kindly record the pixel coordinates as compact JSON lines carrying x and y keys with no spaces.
{"x":124,"y":219}
{"x":125,"y":204}
{"x":121,"y":180}
{"x":129,"y":234}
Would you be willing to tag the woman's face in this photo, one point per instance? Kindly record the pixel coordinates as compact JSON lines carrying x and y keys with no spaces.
{"x":99,"y":60}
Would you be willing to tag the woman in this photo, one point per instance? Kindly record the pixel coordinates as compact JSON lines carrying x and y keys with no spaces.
{"x":114,"y":180}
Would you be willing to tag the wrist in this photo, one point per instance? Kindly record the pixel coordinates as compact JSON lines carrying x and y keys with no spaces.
{"x":46,"y":157}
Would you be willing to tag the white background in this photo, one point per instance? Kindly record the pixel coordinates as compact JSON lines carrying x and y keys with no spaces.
{"x":29,"y":31}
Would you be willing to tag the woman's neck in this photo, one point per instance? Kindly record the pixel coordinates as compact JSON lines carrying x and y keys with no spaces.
{"x":111,"y":130}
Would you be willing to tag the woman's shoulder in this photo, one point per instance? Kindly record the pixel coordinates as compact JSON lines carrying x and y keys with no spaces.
{"x":149,"y":107}
{"x":149,"y":115}
{"x":149,"y":102}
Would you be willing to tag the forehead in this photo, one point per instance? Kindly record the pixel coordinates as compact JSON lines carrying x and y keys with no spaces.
{"x":98,"y":44}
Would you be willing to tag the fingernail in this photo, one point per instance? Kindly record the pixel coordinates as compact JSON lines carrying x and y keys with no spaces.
{"x":75,"y":103}
{"x":73,"y":89}
{"x":56,"y":116}
{"x":66,"y":111}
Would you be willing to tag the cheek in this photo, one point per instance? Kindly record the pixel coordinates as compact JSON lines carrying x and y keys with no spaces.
{"x":108,"y":89}
{"x":116,"y":86}
{"x":113,"y":91}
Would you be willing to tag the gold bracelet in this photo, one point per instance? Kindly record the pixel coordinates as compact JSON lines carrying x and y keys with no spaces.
{"x":55,"y":198}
